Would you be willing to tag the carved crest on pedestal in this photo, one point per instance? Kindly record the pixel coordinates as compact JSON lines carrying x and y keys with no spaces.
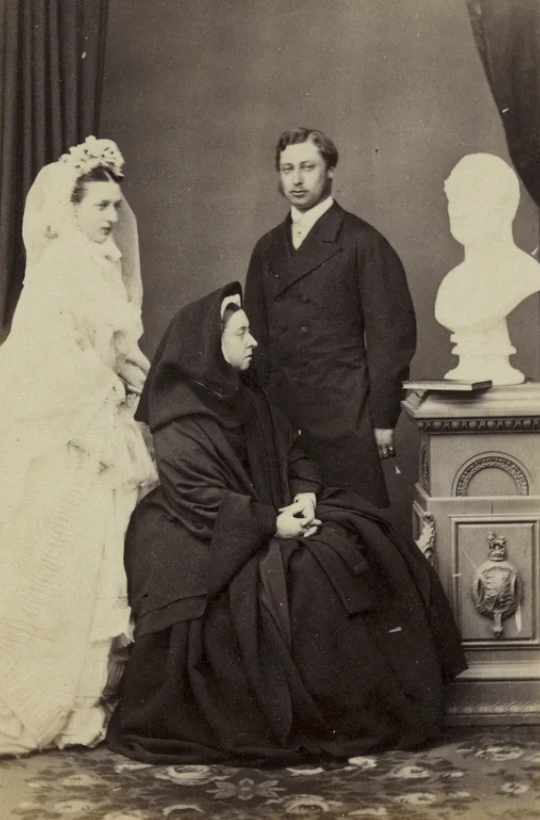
{"x":497,"y":586}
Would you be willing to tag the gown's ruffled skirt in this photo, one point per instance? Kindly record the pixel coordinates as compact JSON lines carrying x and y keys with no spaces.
{"x":65,"y":617}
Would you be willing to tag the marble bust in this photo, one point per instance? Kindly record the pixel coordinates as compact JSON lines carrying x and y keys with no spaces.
{"x":475,"y":298}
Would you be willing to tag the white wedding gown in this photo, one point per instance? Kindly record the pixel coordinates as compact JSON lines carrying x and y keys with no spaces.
{"x":71,"y":466}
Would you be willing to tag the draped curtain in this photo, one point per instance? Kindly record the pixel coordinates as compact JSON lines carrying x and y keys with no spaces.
{"x":507,"y":35}
{"x":51,"y":73}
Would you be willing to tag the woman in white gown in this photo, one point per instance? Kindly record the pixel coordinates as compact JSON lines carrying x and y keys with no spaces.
{"x":73,"y":459}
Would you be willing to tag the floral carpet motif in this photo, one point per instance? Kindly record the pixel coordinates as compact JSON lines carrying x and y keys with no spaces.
{"x":471,"y":774}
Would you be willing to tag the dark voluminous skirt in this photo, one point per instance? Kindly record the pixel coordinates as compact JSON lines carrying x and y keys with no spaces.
{"x":316,"y":650}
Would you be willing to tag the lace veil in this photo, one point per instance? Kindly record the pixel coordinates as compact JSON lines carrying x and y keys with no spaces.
{"x":50,"y":387}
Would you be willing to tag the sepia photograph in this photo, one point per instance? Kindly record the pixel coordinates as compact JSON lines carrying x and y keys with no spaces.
{"x":269,"y":409}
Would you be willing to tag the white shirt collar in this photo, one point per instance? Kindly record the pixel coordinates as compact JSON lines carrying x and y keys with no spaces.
{"x":309,"y":218}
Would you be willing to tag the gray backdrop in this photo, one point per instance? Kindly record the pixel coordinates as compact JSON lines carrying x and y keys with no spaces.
{"x":197,"y":91}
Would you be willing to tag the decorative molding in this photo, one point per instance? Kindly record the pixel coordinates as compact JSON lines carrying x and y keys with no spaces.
{"x":496,"y":586}
{"x":510,"y":708}
{"x":427,"y":540}
{"x":425,"y":478}
{"x":480,"y":645}
{"x":513,"y":671}
{"x":498,"y":462}
{"x":504,"y":424}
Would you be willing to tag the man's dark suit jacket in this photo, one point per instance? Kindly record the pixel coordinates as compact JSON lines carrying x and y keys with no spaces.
{"x":337,"y":332}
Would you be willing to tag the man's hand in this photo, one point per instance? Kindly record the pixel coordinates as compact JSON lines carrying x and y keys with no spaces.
{"x":385,"y":442}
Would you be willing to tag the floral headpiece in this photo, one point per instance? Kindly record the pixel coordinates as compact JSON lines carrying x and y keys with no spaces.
{"x":94,"y":153}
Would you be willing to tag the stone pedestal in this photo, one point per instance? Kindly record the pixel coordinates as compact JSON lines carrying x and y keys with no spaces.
{"x":477,"y":517}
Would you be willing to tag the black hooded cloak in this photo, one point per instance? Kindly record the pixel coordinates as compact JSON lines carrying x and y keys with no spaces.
{"x":250,"y":648}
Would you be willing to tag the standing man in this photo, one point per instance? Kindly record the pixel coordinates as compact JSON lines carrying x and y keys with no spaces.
{"x":328,"y":300}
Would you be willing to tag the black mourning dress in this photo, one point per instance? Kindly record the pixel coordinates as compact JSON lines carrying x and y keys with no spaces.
{"x":250,"y":648}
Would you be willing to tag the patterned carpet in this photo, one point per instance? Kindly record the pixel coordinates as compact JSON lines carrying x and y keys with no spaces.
{"x":472,"y":774}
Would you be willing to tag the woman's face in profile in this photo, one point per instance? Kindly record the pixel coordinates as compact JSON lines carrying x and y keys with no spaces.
{"x":97,"y":212}
{"x":237,"y":343}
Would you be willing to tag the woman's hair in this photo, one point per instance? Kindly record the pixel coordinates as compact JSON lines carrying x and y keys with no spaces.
{"x":227,"y":313}
{"x":97,"y":174}
{"x":325,"y":145}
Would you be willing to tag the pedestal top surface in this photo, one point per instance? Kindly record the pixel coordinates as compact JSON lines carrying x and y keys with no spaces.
{"x":522,"y":400}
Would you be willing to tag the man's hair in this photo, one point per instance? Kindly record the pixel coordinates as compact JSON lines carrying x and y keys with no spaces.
{"x":325,"y":145}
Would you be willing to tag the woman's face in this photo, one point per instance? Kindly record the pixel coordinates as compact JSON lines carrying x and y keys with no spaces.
{"x":97,"y":212}
{"x":237,"y":343}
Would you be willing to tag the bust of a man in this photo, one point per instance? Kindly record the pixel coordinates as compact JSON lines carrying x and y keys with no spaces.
{"x":475,"y":298}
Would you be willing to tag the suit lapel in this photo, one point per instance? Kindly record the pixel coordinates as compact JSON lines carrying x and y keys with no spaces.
{"x":322,"y":242}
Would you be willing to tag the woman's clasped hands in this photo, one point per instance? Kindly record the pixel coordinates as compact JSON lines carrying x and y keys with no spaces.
{"x":298,"y":519}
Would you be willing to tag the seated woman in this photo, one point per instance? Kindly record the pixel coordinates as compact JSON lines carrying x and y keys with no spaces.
{"x":276,"y":621}
{"x":73,"y":458}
